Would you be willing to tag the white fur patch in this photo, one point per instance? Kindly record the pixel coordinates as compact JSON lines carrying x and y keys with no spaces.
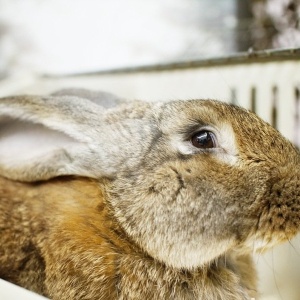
{"x":189,"y":255}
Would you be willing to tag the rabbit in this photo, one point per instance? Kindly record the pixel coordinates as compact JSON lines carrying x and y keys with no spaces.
{"x":138,"y":200}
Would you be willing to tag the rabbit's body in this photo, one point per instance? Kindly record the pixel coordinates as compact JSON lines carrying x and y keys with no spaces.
{"x":60,"y":239}
{"x":176,"y":197}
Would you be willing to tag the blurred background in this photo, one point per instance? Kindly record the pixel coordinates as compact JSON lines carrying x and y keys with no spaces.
{"x":67,"y":36}
{"x":161,"y":50}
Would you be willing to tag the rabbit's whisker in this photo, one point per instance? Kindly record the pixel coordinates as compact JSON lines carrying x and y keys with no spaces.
{"x":293,"y":246}
{"x":275,"y":276}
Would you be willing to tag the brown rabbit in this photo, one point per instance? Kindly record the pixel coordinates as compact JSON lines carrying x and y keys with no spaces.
{"x":141,"y":200}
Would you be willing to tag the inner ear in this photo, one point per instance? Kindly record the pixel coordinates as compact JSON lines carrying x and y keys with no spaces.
{"x":22,"y":140}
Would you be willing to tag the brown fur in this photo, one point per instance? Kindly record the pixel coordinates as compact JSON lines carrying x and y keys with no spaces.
{"x":64,"y":243}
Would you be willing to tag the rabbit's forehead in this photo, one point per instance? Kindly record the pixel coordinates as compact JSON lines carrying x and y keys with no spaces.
{"x":179,"y":114}
{"x":183,"y":115}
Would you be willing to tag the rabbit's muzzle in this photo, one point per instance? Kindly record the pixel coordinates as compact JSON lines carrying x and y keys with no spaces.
{"x":279,"y":216}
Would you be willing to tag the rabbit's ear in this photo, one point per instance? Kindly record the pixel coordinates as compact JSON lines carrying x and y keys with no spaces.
{"x":45,"y":137}
{"x":106,"y":100}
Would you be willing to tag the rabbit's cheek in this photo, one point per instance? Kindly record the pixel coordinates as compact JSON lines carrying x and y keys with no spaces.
{"x":224,"y":197}
{"x":180,"y":215}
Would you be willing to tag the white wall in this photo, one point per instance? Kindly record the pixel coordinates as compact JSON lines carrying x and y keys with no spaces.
{"x":62,"y":36}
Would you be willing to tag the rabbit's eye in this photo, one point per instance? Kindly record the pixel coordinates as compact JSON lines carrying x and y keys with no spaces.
{"x":203,"y":139}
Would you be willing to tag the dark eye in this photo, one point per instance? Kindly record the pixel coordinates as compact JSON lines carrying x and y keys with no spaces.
{"x":203,"y":139}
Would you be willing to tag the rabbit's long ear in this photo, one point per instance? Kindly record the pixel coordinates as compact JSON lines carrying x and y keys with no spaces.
{"x":106,"y":100}
{"x":45,"y":137}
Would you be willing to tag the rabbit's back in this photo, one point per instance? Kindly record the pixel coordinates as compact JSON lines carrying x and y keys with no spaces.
{"x":30,"y":216}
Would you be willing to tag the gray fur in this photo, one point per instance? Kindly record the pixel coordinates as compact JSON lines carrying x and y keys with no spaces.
{"x":93,"y":137}
{"x":106,"y":100}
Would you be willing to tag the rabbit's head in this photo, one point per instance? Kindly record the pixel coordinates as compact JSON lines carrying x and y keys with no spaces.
{"x":190,"y":180}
